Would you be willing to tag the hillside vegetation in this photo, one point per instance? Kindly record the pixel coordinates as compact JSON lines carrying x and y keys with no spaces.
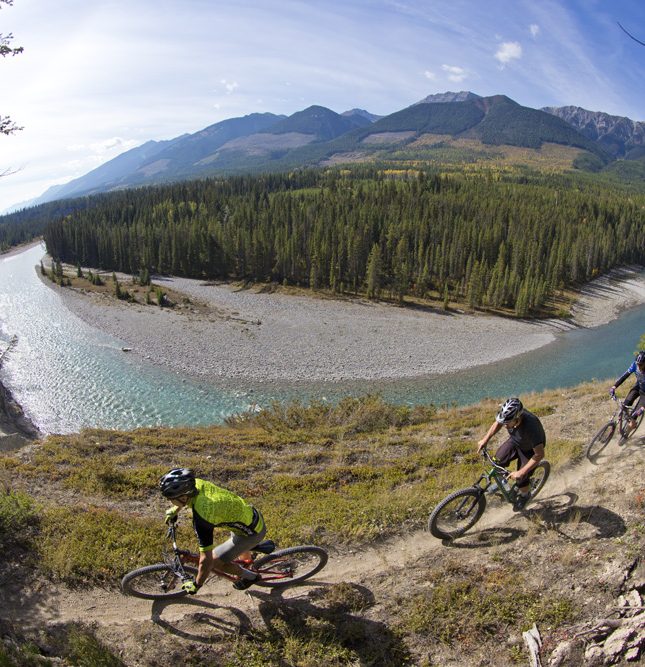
{"x":79,"y":511}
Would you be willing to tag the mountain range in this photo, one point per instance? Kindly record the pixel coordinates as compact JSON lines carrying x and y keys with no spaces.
{"x":447,"y":127}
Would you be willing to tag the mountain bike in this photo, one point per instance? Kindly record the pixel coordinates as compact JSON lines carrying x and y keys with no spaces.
{"x":285,"y":567}
{"x":621,"y":417}
{"x":461,"y":510}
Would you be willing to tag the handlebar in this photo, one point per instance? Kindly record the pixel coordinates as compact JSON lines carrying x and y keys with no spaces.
{"x":486,"y":454}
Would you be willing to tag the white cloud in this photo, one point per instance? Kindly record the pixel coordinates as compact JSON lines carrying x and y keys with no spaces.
{"x":535,"y":29}
{"x":508,"y":51}
{"x":230,"y":85}
{"x":455,"y":74}
{"x":430,"y":75}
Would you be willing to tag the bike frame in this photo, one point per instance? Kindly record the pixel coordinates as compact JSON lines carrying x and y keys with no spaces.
{"x":619,"y":407}
{"x":180,"y":557}
{"x":496,"y":474}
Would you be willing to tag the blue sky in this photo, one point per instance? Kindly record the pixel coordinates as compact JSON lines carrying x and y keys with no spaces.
{"x":98,"y":77}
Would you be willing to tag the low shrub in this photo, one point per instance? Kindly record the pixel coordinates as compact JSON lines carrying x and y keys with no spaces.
{"x":96,"y":545}
{"x":18,"y":518}
{"x":469,"y":606}
{"x":349,"y":416}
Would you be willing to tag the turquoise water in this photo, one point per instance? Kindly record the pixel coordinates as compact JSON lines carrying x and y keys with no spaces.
{"x":67,"y":375}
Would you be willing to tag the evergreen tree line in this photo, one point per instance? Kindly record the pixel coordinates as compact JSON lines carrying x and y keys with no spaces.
{"x":493,"y":242}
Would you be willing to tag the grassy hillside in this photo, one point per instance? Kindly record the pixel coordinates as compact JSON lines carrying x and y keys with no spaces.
{"x":82,"y":509}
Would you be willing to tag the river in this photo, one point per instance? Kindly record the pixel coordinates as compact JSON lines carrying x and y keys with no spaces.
{"x":68,"y":375}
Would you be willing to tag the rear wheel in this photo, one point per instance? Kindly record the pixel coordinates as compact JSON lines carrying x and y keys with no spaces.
{"x":623,"y":423}
{"x":600,"y":441}
{"x":287,"y":567}
{"x":155,"y":582}
{"x":457,"y":513}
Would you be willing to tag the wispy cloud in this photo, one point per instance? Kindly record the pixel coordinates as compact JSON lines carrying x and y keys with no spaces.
{"x":508,"y":51}
{"x":229,"y":85}
{"x":454,"y":73}
{"x":108,"y":145}
{"x":100,"y":148}
{"x":534,"y":29}
{"x":430,"y":75}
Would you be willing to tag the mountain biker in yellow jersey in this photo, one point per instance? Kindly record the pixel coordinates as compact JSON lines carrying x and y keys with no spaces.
{"x":214,"y":507}
{"x":638,"y":390}
{"x":525,"y":444}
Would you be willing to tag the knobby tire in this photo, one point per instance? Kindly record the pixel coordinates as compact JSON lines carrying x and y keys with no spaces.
{"x":146,"y":582}
{"x":600,"y":441}
{"x":466,"y":505}
{"x":304,"y":562}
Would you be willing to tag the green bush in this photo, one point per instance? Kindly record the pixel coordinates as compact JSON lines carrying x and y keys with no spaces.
{"x":350,"y":416}
{"x":18,"y":516}
{"x":96,"y":545}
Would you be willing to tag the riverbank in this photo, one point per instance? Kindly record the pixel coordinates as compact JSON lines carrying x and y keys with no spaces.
{"x":265,"y":337}
{"x":276,"y":337}
{"x":15,"y":427}
{"x":603,"y":299}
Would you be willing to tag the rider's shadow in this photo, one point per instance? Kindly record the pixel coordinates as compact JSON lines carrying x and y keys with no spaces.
{"x":207,"y":624}
{"x":320,"y":615}
{"x":576,"y":523}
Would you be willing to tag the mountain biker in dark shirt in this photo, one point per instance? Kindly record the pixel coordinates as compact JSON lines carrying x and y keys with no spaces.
{"x":638,"y":390}
{"x":525,"y":444}
{"x":212,"y":507}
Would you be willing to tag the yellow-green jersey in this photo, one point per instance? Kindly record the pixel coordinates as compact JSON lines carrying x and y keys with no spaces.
{"x":215,"y":507}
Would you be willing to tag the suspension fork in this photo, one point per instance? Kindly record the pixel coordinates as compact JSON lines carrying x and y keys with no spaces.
{"x":178,"y":565}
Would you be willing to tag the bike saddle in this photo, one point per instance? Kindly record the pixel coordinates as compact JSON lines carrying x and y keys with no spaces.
{"x":266,"y":547}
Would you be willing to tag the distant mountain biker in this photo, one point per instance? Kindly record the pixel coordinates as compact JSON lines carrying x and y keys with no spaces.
{"x":525,"y":444}
{"x":638,"y":390}
{"x":214,"y":507}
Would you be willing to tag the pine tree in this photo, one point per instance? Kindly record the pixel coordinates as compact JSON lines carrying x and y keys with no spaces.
{"x":374,"y":273}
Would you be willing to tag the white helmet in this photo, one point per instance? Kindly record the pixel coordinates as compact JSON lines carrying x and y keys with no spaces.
{"x":509,"y":411}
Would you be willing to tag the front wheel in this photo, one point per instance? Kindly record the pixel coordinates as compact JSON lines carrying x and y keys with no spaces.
{"x":287,"y":567}
{"x":155,"y":582}
{"x":600,"y":441}
{"x":457,"y":513}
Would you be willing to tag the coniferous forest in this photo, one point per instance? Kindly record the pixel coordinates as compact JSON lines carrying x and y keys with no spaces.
{"x":493,"y":240}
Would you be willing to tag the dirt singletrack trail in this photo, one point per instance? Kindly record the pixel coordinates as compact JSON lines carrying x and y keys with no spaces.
{"x":221,"y":608}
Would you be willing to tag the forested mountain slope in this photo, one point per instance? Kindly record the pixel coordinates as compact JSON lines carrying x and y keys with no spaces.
{"x":501,"y":243}
{"x":264,"y":142}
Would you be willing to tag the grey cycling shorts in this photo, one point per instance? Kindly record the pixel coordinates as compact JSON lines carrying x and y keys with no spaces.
{"x":238,"y":544}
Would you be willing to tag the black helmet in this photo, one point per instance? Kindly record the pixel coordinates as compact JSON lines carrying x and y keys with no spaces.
{"x":640,"y":358}
{"x":510,"y":410}
{"x":178,"y":482}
